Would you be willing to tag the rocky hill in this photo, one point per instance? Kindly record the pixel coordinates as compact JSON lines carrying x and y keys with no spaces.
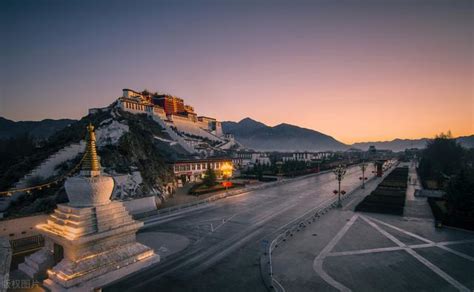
{"x":283,"y":137}
{"x":131,"y":146}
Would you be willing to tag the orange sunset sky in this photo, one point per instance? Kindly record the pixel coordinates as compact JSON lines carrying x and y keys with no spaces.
{"x":355,"y":70}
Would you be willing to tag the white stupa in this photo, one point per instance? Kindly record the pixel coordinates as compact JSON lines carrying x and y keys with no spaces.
{"x":90,"y":241}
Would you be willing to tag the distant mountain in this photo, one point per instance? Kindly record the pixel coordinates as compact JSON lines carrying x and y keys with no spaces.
{"x":402,"y":144}
{"x":36,"y":129}
{"x":466,"y":141}
{"x":284,"y":137}
{"x":244,"y":126}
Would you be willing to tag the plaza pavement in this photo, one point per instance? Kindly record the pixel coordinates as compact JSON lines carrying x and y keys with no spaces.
{"x":351,"y":251}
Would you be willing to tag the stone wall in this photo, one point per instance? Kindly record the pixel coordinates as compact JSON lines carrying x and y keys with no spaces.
{"x":5,"y":261}
{"x":141,"y":205}
{"x":22,"y":227}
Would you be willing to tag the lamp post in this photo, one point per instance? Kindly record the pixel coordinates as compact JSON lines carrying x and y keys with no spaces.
{"x":363,"y":167}
{"x":340,"y":171}
{"x":279,"y":165}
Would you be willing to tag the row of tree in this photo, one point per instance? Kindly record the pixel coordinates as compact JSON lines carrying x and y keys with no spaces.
{"x":448,"y":164}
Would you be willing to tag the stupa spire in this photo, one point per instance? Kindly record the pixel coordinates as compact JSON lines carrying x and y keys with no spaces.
{"x":90,"y":164}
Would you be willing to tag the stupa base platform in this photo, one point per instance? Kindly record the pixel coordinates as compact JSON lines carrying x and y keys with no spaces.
{"x":90,"y":242}
{"x":101,"y":270}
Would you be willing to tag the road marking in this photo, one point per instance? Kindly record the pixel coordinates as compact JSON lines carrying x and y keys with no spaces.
{"x":224,"y":221}
{"x":401,"y":230}
{"x":465,"y":256}
{"x":318,"y":261}
{"x":364,"y":251}
{"x":440,"y":244}
{"x":279,"y":285}
{"x":421,"y":259}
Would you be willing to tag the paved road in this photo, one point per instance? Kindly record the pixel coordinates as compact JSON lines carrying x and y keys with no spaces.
{"x":226,"y":237}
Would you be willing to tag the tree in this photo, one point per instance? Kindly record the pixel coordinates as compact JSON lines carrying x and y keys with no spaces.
{"x":210,"y":178}
{"x":442,"y":157}
{"x":460,"y":191}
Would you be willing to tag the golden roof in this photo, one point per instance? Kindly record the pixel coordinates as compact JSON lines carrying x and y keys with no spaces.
{"x":91,"y":161}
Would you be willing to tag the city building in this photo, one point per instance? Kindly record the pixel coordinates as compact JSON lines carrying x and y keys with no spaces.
{"x":172,"y":105}
{"x":195,"y":169}
{"x":307,"y":156}
{"x":299,"y":156}
{"x":180,"y":120}
{"x":248,"y":159}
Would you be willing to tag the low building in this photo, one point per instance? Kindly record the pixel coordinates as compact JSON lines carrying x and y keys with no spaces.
{"x":195,"y":169}
{"x":307,"y":156}
{"x":248,"y":159}
{"x":299,"y":156}
{"x":323,"y":155}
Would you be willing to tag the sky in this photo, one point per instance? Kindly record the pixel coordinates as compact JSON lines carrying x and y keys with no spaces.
{"x":356,"y":70}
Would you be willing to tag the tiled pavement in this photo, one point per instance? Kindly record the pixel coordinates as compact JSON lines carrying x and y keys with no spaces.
{"x":351,"y":251}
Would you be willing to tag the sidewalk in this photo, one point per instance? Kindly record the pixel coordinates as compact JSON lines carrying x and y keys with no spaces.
{"x":347,"y":250}
{"x":415,"y":207}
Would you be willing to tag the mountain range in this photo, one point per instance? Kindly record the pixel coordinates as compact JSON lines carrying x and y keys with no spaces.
{"x":284,"y":137}
{"x":36,"y":129}
{"x":250,"y":133}
{"x":402,"y":144}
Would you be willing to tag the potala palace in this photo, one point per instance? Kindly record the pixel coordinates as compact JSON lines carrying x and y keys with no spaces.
{"x":196,"y":134}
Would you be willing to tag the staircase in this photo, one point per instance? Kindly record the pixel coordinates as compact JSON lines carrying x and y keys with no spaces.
{"x":48,"y":167}
{"x":45,"y":170}
{"x":35,"y":265}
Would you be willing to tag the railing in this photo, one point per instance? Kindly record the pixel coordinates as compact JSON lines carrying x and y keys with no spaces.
{"x":27,"y":243}
{"x":295,"y":226}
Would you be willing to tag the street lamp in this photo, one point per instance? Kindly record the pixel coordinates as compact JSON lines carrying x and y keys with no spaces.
{"x":279,"y":165}
{"x":340,"y":171}
{"x":363,"y":167}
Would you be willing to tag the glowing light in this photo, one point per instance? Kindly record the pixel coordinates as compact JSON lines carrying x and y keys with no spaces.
{"x":145,"y":255}
{"x":226,"y":169}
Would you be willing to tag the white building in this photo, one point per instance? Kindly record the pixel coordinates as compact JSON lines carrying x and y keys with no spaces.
{"x":299,"y":156}
{"x":308,"y":156}
{"x":186,"y":125}
{"x":250,"y":159}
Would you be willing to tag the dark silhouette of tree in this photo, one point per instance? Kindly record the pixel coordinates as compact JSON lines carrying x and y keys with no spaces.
{"x":460,"y":192}
{"x":442,"y":158}
{"x":210,"y":178}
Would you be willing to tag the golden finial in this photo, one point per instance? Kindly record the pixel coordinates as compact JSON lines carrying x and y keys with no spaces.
{"x":90,"y":164}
